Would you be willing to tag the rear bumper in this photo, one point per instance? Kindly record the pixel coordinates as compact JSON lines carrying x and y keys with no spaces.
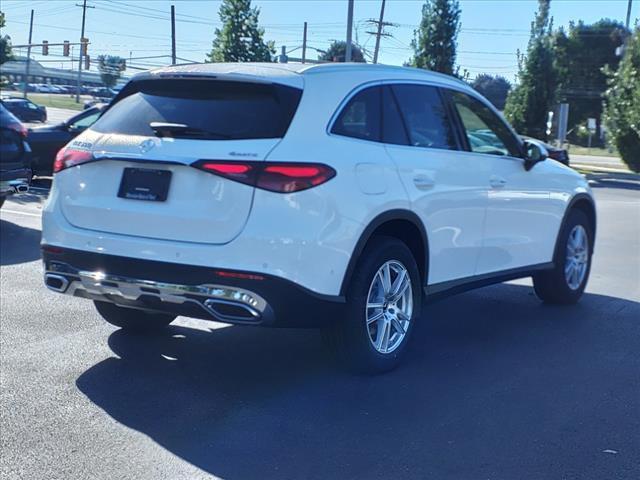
{"x":193,"y":291}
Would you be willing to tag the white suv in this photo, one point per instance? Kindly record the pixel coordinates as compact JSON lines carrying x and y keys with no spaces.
{"x":336,"y":196}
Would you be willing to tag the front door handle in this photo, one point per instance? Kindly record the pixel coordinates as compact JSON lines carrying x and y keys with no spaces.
{"x":497,"y":182}
{"x":423,"y":182}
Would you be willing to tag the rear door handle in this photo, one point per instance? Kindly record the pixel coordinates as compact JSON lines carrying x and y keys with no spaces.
{"x":423,"y":182}
{"x":497,"y":182}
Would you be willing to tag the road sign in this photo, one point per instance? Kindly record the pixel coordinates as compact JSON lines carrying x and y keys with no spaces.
{"x":591,"y":124}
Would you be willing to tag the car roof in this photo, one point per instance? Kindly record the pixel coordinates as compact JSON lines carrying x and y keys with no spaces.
{"x":292,"y":74}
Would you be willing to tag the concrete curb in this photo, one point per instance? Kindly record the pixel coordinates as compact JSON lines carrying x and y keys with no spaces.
{"x":596,"y":169}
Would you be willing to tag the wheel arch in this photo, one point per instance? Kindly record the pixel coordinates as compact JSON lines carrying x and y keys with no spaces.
{"x":583,"y":202}
{"x":404,"y":225}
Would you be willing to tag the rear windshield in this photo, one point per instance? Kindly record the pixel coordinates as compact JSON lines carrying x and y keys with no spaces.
{"x":232,"y":110}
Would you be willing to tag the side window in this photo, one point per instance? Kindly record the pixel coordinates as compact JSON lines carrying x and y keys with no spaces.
{"x":393,"y":129}
{"x":425,"y":116}
{"x":485,"y":131}
{"x":85,"y":122}
{"x":361,"y":117}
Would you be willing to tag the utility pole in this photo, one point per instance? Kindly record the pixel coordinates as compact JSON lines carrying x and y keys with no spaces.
{"x":173,"y":35}
{"x":375,"y":52}
{"x":84,"y":11}
{"x":347,"y":57}
{"x":26,"y":76}
{"x":379,"y":33}
{"x":628,"y":14}
{"x":304,"y":43}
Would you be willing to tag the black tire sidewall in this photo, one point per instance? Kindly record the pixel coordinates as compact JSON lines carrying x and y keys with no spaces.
{"x":553,"y":287}
{"x":366,"y":358}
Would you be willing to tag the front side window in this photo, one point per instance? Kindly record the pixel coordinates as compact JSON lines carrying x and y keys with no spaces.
{"x":425,"y":116}
{"x":85,"y":122}
{"x":485,"y":131}
{"x":361,"y":117}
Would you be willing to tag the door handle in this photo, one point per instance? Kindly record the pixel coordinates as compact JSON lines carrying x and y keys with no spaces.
{"x":423,"y":182}
{"x":497,"y":182}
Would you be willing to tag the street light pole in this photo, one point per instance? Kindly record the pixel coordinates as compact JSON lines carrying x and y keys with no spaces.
{"x":173,"y":35}
{"x":26,"y":73}
{"x":347,"y":56}
{"x":628,"y":13}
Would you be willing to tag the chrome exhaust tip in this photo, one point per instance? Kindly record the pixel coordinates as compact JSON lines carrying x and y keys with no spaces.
{"x":232,"y":311}
{"x":57,"y":283}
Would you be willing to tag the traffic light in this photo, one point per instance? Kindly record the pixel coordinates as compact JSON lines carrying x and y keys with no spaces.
{"x":45,"y":47}
{"x":83,"y":46}
{"x":65,"y":48}
{"x":87,"y":62}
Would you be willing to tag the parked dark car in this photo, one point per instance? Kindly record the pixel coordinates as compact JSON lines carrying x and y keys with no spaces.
{"x":15,"y":159}
{"x":9,"y":120}
{"x":559,"y":154}
{"x":25,"y":109}
{"x":47,"y":141}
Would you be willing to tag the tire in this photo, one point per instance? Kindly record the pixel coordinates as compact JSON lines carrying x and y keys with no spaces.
{"x":556,"y":287}
{"x":131,"y":319}
{"x":2,"y":199}
{"x":351,"y":339}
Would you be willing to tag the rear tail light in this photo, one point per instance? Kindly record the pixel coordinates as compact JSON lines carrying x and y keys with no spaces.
{"x":20,"y":128}
{"x":68,"y":157}
{"x":275,"y":177}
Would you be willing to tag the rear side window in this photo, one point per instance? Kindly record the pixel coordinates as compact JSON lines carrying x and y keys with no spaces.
{"x":360,"y":118}
{"x":227,"y":110}
{"x":425,"y":116}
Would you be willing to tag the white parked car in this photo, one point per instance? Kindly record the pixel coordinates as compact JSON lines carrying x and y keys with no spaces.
{"x":336,"y":196}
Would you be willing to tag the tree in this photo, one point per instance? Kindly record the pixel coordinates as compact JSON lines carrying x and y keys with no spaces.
{"x":435,"y":41}
{"x":5,"y":44}
{"x":337,"y":52}
{"x":582,"y":55}
{"x":240,"y":39}
{"x":529,"y":102}
{"x":622,"y":100}
{"x":495,"y":89}
{"x":111,"y":68}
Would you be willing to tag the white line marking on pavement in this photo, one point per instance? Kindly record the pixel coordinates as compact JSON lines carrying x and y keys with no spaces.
{"x":15,"y":212}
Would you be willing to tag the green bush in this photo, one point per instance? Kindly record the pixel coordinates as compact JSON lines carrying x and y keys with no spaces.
{"x":622,"y":104}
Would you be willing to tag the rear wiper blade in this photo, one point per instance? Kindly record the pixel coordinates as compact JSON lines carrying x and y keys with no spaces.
{"x":177,"y":130}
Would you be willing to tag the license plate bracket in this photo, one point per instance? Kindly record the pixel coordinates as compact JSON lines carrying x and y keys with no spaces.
{"x":146,"y":184}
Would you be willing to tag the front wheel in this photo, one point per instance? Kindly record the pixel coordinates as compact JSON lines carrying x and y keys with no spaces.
{"x":131,"y":319}
{"x":383,"y":303}
{"x":566,"y":282}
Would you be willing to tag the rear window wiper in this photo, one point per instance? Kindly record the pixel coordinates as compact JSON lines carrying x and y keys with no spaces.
{"x":181,"y":130}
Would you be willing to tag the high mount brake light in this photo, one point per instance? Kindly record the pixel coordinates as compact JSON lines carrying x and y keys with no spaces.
{"x":275,"y":177}
{"x":68,"y":157}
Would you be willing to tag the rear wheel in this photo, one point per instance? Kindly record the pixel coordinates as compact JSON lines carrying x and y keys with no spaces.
{"x":383,"y":302}
{"x":567,"y":281}
{"x":131,"y":319}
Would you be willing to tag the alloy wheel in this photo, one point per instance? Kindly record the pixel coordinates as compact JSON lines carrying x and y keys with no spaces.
{"x":389,"y":306}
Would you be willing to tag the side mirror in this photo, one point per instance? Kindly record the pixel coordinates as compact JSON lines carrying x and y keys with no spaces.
{"x":534,"y":152}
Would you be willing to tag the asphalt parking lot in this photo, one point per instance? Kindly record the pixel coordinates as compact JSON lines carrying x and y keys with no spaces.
{"x":495,"y":386}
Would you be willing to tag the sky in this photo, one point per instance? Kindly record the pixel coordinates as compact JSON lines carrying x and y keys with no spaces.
{"x":492,"y":31}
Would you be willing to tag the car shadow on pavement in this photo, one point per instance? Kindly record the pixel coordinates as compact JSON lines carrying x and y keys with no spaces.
{"x":18,"y":244}
{"x":495,"y":384}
